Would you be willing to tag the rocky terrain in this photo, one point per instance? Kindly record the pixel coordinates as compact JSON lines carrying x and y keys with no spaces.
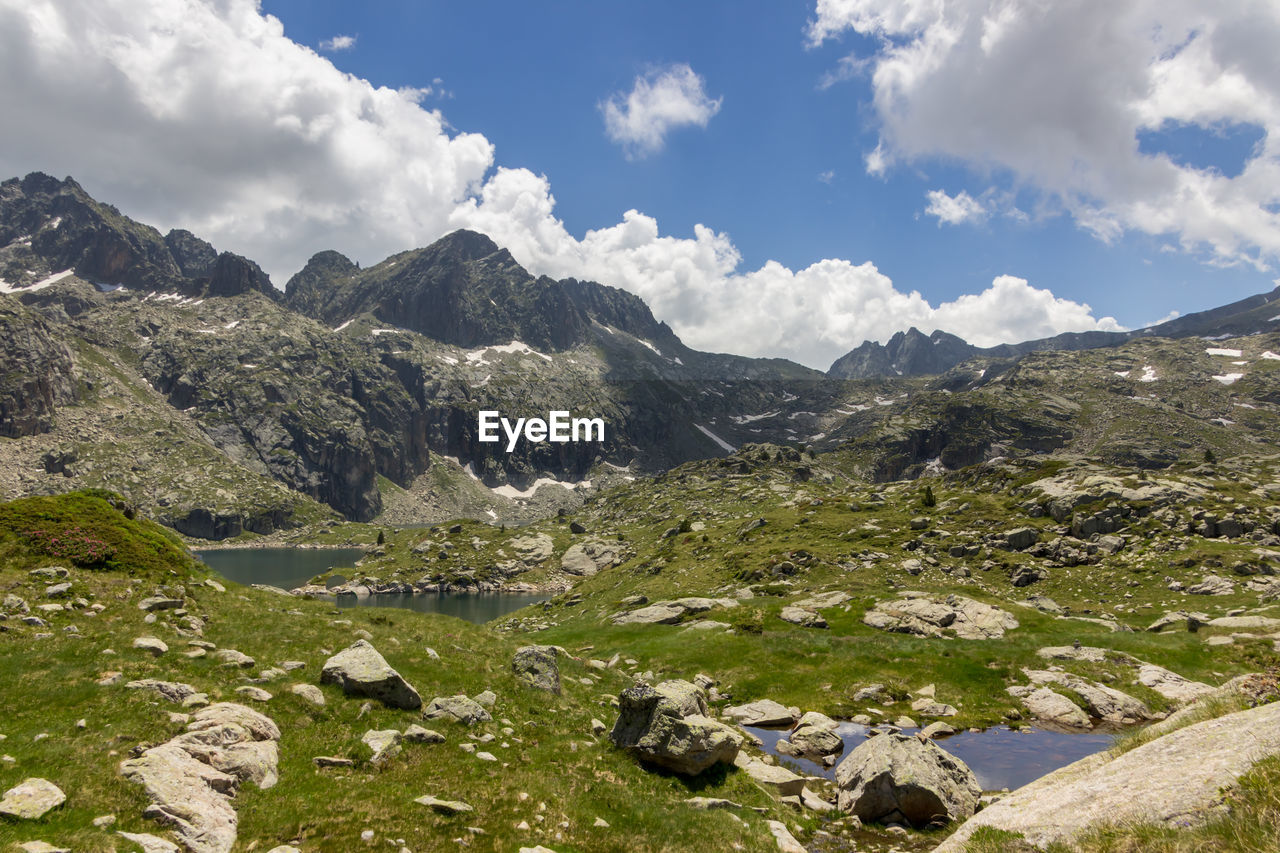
{"x":780,"y":603}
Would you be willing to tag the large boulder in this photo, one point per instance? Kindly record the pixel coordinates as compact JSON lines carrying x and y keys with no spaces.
{"x":588,"y":558}
{"x":1052,"y":708}
{"x":671,"y":612}
{"x":1175,"y":780}
{"x":187,"y":795}
{"x":927,"y":616}
{"x":651,"y":727}
{"x":537,"y":667}
{"x":894,"y":778}
{"x":360,"y":671}
{"x":1172,"y":686}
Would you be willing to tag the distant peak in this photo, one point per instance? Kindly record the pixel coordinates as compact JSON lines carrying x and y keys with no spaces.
{"x":471,"y":245}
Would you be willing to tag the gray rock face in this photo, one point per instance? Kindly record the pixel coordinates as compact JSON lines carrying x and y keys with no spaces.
{"x":651,"y":727}
{"x":1172,"y":686}
{"x":384,"y":743}
{"x":360,"y":671}
{"x":588,"y":558}
{"x":1212,"y":585}
{"x":1175,"y":780}
{"x":537,"y":667}
{"x":803,"y":617}
{"x":925,"y":616}
{"x":896,"y":778}
{"x":671,"y":612}
{"x":31,"y":800}
{"x":458,"y":708}
{"x":174,"y":691}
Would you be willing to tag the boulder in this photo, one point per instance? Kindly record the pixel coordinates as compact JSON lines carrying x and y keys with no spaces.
{"x":1021,"y":538}
{"x":1212,"y":585}
{"x":1172,"y":686}
{"x":308,"y":692}
{"x":762,"y":712}
{"x":458,"y":708}
{"x":687,"y":696}
{"x":816,"y":734}
{"x":174,"y":691}
{"x":587,"y":558}
{"x":384,"y":743}
{"x":802,"y":617}
{"x":1179,"y":619}
{"x":894,"y":778}
{"x":537,"y":667}
{"x":444,"y":807}
{"x":925,"y":616}
{"x":1054,"y":709}
{"x":360,"y":671}
{"x":417,"y":734}
{"x":1176,"y":780}
{"x":31,"y":800}
{"x":533,"y":549}
{"x":148,"y":842}
{"x":159,"y":602}
{"x":152,"y":645}
{"x":671,"y":612}
{"x":786,"y":841}
{"x":651,"y":727}
{"x":234,"y":658}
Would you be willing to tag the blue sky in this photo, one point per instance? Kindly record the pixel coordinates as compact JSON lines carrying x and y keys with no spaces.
{"x":1036,"y":168}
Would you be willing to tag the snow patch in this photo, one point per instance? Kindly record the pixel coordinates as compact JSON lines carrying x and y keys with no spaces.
{"x":1270,"y":356}
{"x":516,"y":494}
{"x":232,"y":324}
{"x":724,"y":445}
{"x":5,"y":287}
{"x":1222,"y":421}
{"x":1233,"y":353}
{"x":1228,"y":378}
{"x":344,"y":325}
{"x":649,"y":345}
{"x":857,"y":407}
{"x":447,"y":359}
{"x":747,"y":419}
{"x":1123,"y":374}
{"x":478,"y":356}
{"x":1148,"y":374}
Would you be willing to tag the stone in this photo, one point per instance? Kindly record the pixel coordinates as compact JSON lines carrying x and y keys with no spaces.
{"x":707,"y":804}
{"x":802,"y":617}
{"x":778,"y":780}
{"x":149,"y":843}
{"x":1212,"y":585}
{"x":823,"y":600}
{"x":786,"y":841}
{"x":188,"y":796}
{"x":1172,"y":686}
{"x":671,"y":612}
{"x":417,"y":734}
{"x":258,"y":725}
{"x":308,"y":692}
{"x":651,"y":727}
{"x":687,"y":696}
{"x":487,"y":698}
{"x":537,"y":666}
{"x":762,"y":712}
{"x":58,"y":590}
{"x":152,"y":645}
{"x":385,"y":743}
{"x":360,"y":671}
{"x":1054,"y":709}
{"x":1176,"y":780}
{"x":894,"y":778}
{"x":937,"y":730}
{"x":174,"y":691}
{"x":930,"y":708}
{"x":1021,"y":539}
{"x":1179,"y":619}
{"x":816,"y":734}
{"x":234,"y":658}
{"x":159,"y":602}
{"x":31,"y":800}
{"x":533,"y":549}
{"x":323,"y":761}
{"x":40,"y":847}
{"x":445,"y":807}
{"x":458,"y":708}
{"x":924,"y":616}
{"x":587,"y":558}
{"x":257,"y":694}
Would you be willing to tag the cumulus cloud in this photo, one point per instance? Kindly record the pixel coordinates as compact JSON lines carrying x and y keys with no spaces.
{"x":1057,"y":94}
{"x":338,"y":43}
{"x":659,"y":102}
{"x":954,"y":210}
{"x":203,"y":115}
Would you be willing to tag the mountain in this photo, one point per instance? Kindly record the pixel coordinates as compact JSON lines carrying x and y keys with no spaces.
{"x":176,"y":376}
{"x":914,"y":354}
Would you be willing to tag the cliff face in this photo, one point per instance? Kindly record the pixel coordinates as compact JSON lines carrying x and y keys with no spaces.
{"x":37,"y":374}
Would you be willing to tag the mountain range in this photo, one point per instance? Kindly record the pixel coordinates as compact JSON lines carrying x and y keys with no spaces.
{"x":178,"y":376}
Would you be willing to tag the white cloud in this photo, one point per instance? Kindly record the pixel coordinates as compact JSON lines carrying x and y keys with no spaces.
{"x":828,"y":176}
{"x":954,"y":210}
{"x":1057,"y":94}
{"x":205,"y":116}
{"x":660,"y":101}
{"x":338,"y":43}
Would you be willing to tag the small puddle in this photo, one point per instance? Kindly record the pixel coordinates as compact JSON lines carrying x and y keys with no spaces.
{"x":999,"y":756}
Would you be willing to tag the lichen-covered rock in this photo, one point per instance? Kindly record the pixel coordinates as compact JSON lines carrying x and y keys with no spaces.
{"x":762,"y":712}
{"x":188,"y":796}
{"x":360,"y":671}
{"x":687,"y":696}
{"x":457,"y":708}
{"x":895,"y":778}
{"x":537,"y":667}
{"x":651,"y":727}
{"x":926,"y":616}
{"x":31,"y":800}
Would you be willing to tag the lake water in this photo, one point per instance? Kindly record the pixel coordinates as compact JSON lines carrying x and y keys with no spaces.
{"x":292,"y":567}
{"x":999,"y":756}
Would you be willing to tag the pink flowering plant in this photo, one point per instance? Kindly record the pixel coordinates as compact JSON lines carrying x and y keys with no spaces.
{"x":71,"y":543}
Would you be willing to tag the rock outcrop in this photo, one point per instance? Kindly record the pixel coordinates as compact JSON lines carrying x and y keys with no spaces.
{"x":537,"y":667}
{"x":926,"y":616}
{"x":1174,"y":780}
